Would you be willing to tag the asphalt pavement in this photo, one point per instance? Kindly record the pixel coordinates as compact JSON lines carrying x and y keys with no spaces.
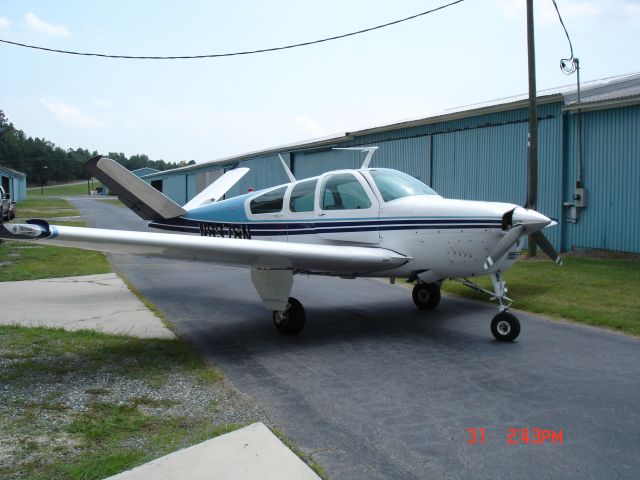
{"x":376,"y":389}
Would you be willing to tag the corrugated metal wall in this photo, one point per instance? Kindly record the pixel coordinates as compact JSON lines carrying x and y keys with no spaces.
{"x":18,"y":188}
{"x":484,"y":158}
{"x":265,"y":172}
{"x":611,"y":143}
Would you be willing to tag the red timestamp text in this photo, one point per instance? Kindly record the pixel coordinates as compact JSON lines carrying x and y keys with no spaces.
{"x":519,"y":436}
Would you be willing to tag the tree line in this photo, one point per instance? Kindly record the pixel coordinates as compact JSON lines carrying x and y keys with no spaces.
{"x":45,"y":162}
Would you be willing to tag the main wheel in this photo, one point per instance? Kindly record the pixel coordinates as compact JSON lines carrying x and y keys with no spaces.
{"x":505,"y":327}
{"x":426,"y":296}
{"x":292,"y":319}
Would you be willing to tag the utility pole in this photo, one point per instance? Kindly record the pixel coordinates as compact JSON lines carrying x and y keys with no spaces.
{"x":532,"y":187}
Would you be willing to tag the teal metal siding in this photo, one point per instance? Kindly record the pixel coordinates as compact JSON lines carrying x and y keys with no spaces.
{"x":311,"y":164}
{"x":190,"y":186}
{"x":264,"y":172}
{"x":481,"y":164}
{"x":484,"y":157}
{"x":611,"y":140}
{"x":18,"y":188}
{"x":173,"y":186}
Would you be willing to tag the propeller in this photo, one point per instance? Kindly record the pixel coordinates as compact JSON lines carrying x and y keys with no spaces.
{"x":527,"y":222}
{"x":546,"y":247}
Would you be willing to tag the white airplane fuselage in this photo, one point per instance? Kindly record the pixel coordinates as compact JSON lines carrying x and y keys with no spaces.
{"x":442,"y":238}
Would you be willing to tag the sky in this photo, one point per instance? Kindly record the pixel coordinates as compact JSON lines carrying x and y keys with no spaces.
{"x":208,"y":109}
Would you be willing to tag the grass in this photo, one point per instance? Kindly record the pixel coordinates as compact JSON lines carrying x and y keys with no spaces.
{"x":24,"y":261}
{"x":308,"y":459}
{"x":69,"y":189}
{"x":603,"y":292}
{"x":48,"y":438}
{"x":101,"y":438}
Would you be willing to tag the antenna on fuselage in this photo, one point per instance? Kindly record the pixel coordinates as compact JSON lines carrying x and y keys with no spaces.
{"x":286,"y":169}
{"x":370,"y":151}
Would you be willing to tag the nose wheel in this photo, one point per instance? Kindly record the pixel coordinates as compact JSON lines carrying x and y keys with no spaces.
{"x":505,"y":327}
{"x":292,"y":319}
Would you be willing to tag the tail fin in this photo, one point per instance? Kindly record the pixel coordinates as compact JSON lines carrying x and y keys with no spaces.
{"x":135,"y":193}
{"x":217,"y":189}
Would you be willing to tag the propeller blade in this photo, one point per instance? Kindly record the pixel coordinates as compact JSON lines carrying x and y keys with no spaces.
{"x":504,"y":245}
{"x":546,"y":247}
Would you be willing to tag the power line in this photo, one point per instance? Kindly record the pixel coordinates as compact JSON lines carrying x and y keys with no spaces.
{"x":233,"y":54}
{"x":567,"y":65}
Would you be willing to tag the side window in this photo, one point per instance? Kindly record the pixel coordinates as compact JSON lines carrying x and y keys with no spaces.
{"x":302,"y":196}
{"x":343,"y":192}
{"x":270,"y":202}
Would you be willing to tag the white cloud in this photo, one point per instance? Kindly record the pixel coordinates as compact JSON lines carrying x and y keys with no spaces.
{"x":71,"y":116}
{"x":4,"y":24}
{"x":47,"y":28}
{"x":309,"y":126}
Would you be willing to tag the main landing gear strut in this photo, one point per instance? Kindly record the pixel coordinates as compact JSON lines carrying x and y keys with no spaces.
{"x":505,"y":326}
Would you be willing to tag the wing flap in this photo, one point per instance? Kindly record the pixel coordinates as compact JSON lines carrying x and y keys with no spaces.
{"x":339,"y":260}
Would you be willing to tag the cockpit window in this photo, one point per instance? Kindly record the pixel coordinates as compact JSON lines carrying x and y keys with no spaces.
{"x":342,"y":191}
{"x":393,"y":185}
{"x":270,"y":202}
{"x":302,"y":196}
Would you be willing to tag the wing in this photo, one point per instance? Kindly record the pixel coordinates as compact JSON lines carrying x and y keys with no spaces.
{"x":300,"y":257}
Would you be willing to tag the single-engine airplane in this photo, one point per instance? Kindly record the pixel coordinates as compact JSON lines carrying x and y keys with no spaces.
{"x":368,"y":222}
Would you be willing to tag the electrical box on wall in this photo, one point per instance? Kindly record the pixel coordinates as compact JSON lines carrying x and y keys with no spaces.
{"x":578,"y":200}
{"x":579,"y":197}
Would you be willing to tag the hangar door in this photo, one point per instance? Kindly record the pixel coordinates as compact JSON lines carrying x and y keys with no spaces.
{"x":482,"y":164}
{"x":204,"y":179}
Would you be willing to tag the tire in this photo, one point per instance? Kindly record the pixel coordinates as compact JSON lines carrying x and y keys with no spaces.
{"x":505,"y":327}
{"x":292,"y":320}
{"x":426,"y":296}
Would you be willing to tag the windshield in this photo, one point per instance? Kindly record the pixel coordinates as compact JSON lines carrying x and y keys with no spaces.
{"x":393,"y":185}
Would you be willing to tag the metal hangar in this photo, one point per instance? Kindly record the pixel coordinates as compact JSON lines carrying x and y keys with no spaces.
{"x":588,"y":178}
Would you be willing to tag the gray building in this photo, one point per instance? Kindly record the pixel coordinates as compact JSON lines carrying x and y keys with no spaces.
{"x":480,"y":153}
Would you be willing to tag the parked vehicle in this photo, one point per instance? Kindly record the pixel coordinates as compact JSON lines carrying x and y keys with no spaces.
{"x":7,"y":207}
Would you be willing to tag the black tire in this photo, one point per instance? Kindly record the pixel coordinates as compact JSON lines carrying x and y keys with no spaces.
{"x":426,"y":296}
{"x":292,"y":320}
{"x":505,"y":327}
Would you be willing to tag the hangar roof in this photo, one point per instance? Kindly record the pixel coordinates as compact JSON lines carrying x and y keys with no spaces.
{"x":13,"y":172}
{"x":616,"y":91}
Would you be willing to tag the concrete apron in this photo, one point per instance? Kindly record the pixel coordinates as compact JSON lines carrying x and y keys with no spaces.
{"x":97,"y":302}
{"x":249,"y":453}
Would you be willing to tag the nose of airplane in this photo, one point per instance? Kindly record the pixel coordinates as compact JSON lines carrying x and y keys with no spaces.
{"x":533,"y":221}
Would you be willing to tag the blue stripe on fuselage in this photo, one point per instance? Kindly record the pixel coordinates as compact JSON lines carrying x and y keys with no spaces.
{"x":307,"y":227}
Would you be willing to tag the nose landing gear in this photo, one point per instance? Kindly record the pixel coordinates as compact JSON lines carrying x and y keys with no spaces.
{"x":505,"y":326}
